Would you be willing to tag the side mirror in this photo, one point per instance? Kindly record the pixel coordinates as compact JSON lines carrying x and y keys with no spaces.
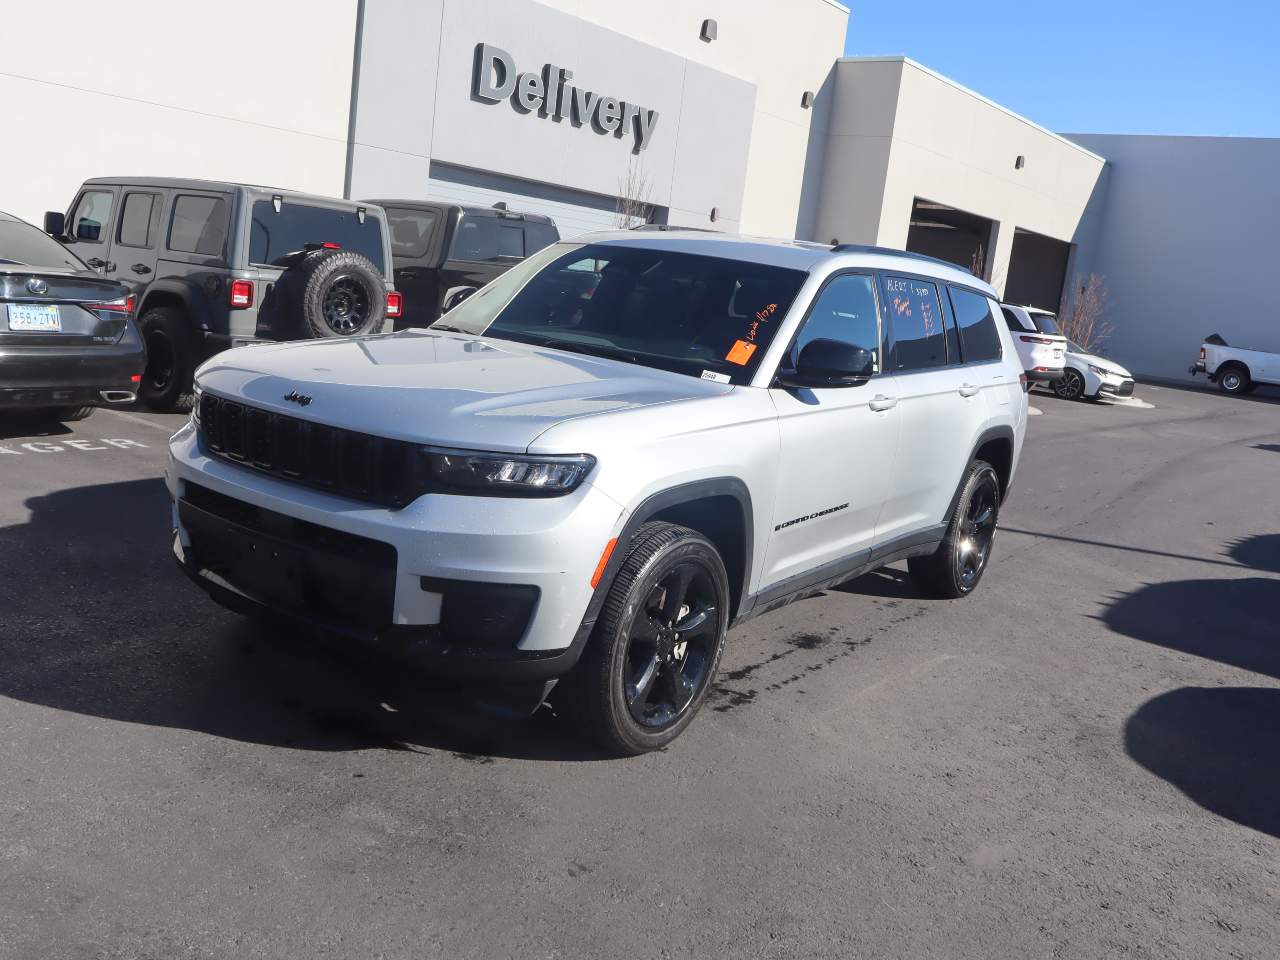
{"x":454,"y":296}
{"x":831,"y":363}
{"x":55,"y":224}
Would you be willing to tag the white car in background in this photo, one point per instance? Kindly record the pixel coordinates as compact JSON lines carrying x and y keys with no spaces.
{"x":1091,"y":376}
{"x":1041,"y":346}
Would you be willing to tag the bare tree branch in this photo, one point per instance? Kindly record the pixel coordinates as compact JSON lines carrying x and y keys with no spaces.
{"x":632,"y":206}
{"x":1082,"y":319}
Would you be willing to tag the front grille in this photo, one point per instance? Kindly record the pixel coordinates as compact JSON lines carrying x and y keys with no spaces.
{"x":1125,"y":389}
{"x":355,"y":465}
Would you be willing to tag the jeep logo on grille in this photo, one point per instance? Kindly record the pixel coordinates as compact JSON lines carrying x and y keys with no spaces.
{"x":301,"y":399}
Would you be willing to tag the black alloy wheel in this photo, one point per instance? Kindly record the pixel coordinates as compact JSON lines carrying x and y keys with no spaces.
{"x":671,"y":646}
{"x":954,"y":569}
{"x":161,"y":360}
{"x":977,"y":531}
{"x":1071,"y":386}
{"x":346,"y":306}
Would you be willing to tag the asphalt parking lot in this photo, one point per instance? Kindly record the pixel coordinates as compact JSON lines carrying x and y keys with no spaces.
{"x":1080,"y":761}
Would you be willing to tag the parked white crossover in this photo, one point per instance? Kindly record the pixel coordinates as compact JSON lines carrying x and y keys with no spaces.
{"x":1041,"y":346}
{"x":600,"y":461}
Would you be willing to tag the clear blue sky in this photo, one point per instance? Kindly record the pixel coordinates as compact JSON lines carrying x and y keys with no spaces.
{"x":1091,"y":66}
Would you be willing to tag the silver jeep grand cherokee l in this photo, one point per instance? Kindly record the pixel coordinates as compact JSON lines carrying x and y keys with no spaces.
{"x":594,"y":466}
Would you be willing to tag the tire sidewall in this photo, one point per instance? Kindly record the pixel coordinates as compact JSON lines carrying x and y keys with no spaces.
{"x":978,"y":473}
{"x":170,"y":323}
{"x":306,"y":283}
{"x":1241,"y":380}
{"x":614,"y":630}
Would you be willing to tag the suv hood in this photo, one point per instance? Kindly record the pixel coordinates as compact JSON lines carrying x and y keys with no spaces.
{"x":441,"y":388}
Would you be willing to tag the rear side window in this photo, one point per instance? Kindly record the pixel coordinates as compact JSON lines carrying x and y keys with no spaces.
{"x":510,"y":241}
{"x":273,"y":236}
{"x":92,"y":214}
{"x":199,"y":225}
{"x":979,"y":336}
{"x":138,"y":219}
{"x":411,"y":231}
{"x":538,"y":235}
{"x":475,"y":239}
{"x":846,"y":311}
{"x":1012,"y":321}
{"x":1046,"y":323}
{"x":916,"y":338}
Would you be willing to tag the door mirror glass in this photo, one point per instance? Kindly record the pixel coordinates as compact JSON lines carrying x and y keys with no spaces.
{"x":55,"y":224}
{"x":831,"y":363}
{"x":455,"y":296}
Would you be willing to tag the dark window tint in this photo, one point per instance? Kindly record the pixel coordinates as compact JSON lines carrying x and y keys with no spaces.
{"x":979,"y":335}
{"x":199,"y":225}
{"x":702,"y":316}
{"x":136,"y":216}
{"x":538,"y":235}
{"x":475,"y":239}
{"x":510,"y":240}
{"x":411,"y":231}
{"x":916,"y":339}
{"x":1045,"y":323}
{"x":1011,"y":320}
{"x":846,"y":311}
{"x":273,"y":236}
{"x":91,"y":216}
{"x":22,"y":243}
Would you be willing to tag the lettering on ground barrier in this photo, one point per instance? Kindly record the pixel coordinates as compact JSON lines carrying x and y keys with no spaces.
{"x":63,"y":446}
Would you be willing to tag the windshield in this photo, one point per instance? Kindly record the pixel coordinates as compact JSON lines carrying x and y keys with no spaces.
{"x":1045,"y":323}
{"x":22,"y":243}
{"x":1073,"y":347}
{"x":703,"y":316}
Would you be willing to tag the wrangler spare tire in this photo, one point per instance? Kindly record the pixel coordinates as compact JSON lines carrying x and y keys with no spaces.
{"x":333,"y":293}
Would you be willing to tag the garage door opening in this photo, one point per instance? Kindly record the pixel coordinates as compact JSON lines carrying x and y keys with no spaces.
{"x":1037,"y":271}
{"x":950,"y":234}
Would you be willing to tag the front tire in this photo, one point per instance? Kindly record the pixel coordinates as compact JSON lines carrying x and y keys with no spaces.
{"x":956,"y":567}
{"x":1071,"y":386}
{"x":656,"y":648}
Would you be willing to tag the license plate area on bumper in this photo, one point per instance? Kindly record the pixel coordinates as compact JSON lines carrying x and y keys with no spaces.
{"x":290,"y":565}
{"x":34,"y":318}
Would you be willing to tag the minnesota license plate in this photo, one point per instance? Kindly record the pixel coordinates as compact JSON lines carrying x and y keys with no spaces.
{"x":34,"y":316}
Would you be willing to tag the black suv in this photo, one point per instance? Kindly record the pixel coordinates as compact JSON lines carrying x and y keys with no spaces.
{"x":442,"y":247}
{"x":216,"y":265}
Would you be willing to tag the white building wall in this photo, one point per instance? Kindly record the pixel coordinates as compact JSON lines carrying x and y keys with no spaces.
{"x":1185,"y":243}
{"x":928,"y":137}
{"x":245,"y":91}
{"x":783,"y":47}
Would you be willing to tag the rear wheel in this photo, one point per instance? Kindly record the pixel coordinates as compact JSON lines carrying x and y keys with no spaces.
{"x":955,"y":568}
{"x":1071,"y":386}
{"x":170,"y":361}
{"x":657,"y":645}
{"x":1234,"y":379}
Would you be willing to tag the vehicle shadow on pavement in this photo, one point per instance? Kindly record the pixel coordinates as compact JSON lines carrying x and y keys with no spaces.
{"x":885,"y":582}
{"x":1269,"y":447}
{"x":98,"y":620}
{"x":1218,"y":746}
{"x":17,"y":427}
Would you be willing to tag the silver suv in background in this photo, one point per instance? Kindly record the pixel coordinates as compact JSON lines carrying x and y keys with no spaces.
{"x":216,"y":265}
{"x":592,"y":467}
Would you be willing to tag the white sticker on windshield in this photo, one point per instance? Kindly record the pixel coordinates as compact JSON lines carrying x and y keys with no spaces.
{"x":717,"y":377}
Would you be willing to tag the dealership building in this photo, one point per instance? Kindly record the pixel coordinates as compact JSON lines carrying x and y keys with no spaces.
{"x":734,"y":115}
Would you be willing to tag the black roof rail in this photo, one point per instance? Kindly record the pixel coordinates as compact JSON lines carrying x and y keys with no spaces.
{"x":663,"y":227}
{"x":890,"y":252}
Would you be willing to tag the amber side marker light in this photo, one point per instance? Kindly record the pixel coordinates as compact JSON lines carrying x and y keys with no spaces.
{"x":604,"y":562}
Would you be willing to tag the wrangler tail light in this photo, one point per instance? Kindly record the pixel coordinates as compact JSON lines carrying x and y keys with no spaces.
{"x":240,"y":294}
{"x":395,"y":304}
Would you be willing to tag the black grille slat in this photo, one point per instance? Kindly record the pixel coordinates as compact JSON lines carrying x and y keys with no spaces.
{"x":356,"y":465}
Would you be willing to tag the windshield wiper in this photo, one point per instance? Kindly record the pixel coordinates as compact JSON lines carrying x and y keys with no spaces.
{"x":447,"y":328}
{"x":592,"y":349}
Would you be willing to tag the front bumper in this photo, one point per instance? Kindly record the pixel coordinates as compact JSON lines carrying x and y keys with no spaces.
{"x":1116,"y":388}
{"x":71,"y":376}
{"x":464,"y":586}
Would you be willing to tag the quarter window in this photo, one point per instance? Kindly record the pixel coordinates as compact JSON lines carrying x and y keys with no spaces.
{"x":1011,"y":321}
{"x":979,"y":336}
{"x":199,"y":225}
{"x":846,"y":311}
{"x":92,"y":214}
{"x":916,"y":337}
{"x":136,"y":218}
{"x":476,"y":239}
{"x":410,"y":231}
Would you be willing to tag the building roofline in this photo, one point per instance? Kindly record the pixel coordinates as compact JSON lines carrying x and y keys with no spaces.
{"x":839,"y":6}
{"x":977,"y":96}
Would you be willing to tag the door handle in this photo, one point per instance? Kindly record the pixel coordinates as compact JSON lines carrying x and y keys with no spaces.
{"x":140,"y":269}
{"x":96,"y":263}
{"x":968,"y":390}
{"x":880,"y":402}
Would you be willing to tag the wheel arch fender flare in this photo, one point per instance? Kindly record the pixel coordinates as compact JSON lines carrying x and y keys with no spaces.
{"x":664,"y":501}
{"x":1226,"y":365}
{"x":190,"y":297}
{"x":1001,"y":432}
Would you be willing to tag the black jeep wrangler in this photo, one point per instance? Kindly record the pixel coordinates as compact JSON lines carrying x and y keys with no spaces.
{"x":440,"y":248}
{"x":217,"y":265}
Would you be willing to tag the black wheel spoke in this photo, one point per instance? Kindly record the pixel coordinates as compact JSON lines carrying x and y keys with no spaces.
{"x":677,"y":588}
{"x":677,"y":687}
{"x":645,"y":630}
{"x":638,"y":691}
{"x":696,"y":623}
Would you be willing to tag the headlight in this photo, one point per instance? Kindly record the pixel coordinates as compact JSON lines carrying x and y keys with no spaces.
{"x":197,"y":393}
{"x":504,"y":474}
{"x":1101,"y":371}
